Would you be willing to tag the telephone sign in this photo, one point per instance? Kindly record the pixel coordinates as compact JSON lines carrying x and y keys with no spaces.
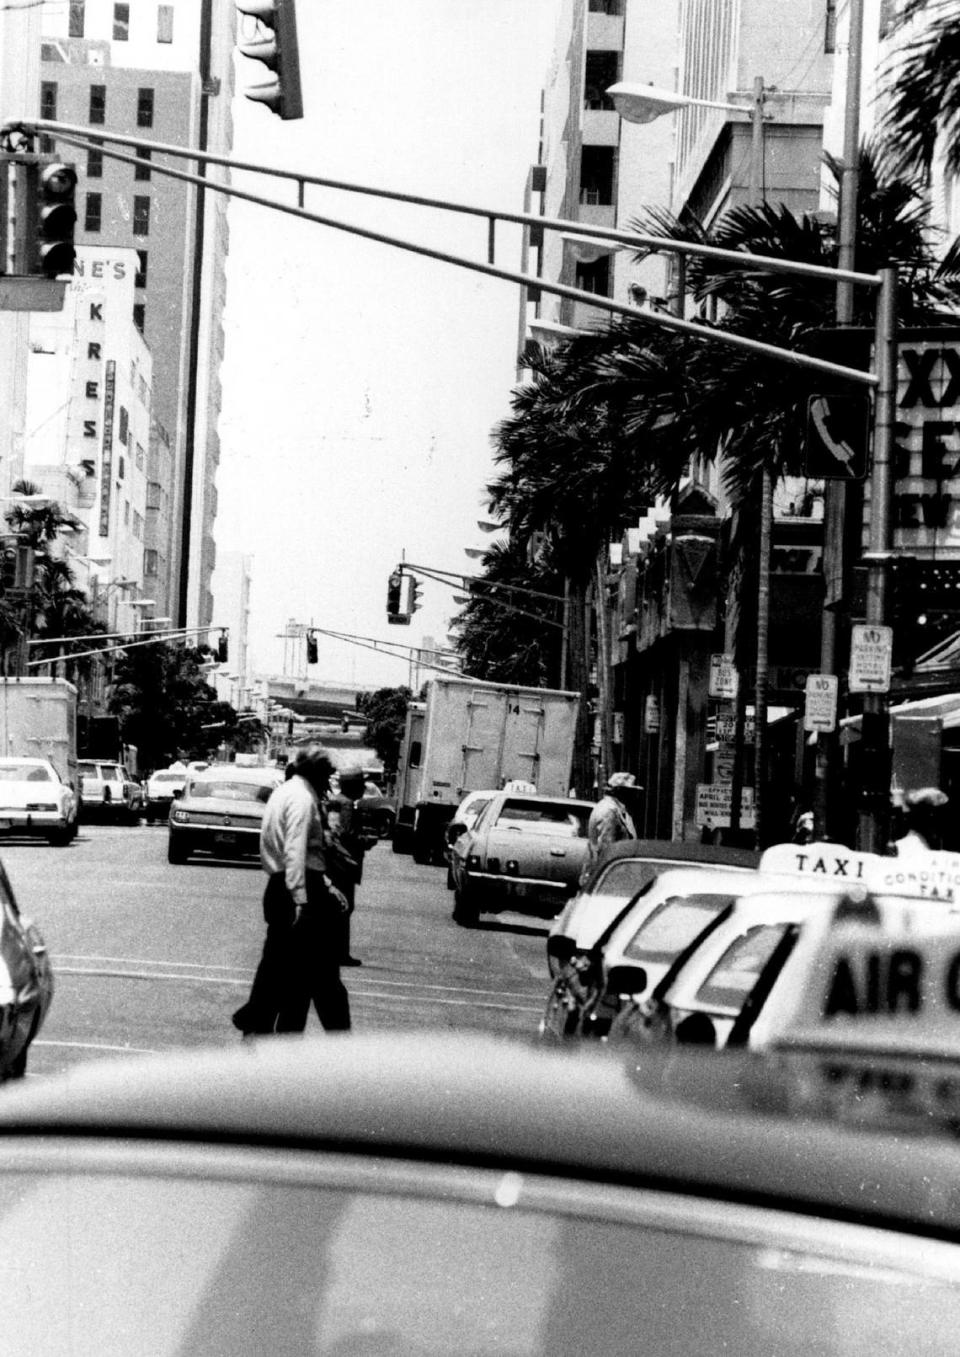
{"x":837,"y":435}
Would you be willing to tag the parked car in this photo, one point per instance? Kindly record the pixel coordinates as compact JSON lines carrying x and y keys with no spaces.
{"x":110,"y":790}
{"x":431,"y":1194}
{"x":220,"y":812}
{"x":161,"y":788}
{"x":523,"y":851}
{"x":34,"y":801}
{"x":623,"y":870}
{"x":26,"y":983}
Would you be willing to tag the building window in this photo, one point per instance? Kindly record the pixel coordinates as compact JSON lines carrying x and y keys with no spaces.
{"x":92,"y":217}
{"x":145,"y":107}
{"x":597,"y":172}
{"x":142,"y":169}
{"x":121,"y":23}
{"x":94,"y":163}
{"x":139,"y":315}
{"x":139,"y":457}
{"x":150,"y":561}
{"x":165,"y":23}
{"x":594,"y":277}
{"x":154,"y":495}
{"x":126,"y":506}
{"x":48,"y":109}
{"x":141,"y":276}
{"x":98,"y":104}
{"x":75,"y":22}
{"x":830,"y":27}
{"x":141,"y":216}
{"x":602,"y":70}
{"x":124,"y":425}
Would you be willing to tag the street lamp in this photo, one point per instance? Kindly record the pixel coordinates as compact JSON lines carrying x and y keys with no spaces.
{"x":644,"y":103}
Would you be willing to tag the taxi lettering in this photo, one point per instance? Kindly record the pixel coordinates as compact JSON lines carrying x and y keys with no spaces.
{"x":830,"y":865}
{"x":886,"y":983}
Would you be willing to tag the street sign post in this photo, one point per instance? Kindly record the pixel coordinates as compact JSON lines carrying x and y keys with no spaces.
{"x":724,"y":680}
{"x":871,"y":657}
{"x":820,"y":702}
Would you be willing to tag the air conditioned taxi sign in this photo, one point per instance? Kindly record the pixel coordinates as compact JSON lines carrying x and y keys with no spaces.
{"x":922,"y":876}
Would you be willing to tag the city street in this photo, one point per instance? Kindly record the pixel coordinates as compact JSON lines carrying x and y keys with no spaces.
{"x":148,"y":956}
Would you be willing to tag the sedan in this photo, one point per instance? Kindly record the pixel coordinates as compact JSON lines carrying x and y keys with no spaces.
{"x":221,"y":811}
{"x":162,"y":789}
{"x":26,"y":983}
{"x":111,"y":789}
{"x":34,"y":801}
{"x":431,"y":1194}
{"x":523,"y":852}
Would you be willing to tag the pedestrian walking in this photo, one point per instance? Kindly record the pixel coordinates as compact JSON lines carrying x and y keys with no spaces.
{"x":301,"y":907}
{"x":610,"y":820}
{"x":347,"y":847}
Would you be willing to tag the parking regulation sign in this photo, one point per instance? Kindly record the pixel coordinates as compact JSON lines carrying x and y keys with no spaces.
{"x":820,"y":702}
{"x":871,"y":657}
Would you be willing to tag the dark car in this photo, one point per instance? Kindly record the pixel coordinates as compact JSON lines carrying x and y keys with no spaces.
{"x":523,"y":851}
{"x":221,"y":811}
{"x":444,"y":1194}
{"x":26,"y":983}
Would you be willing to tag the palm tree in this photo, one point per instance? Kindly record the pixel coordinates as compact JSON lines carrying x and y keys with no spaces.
{"x":509,"y":637}
{"x":923,"y":113}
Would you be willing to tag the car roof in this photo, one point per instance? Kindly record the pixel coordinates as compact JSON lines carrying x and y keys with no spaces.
{"x":482,"y":1101}
{"x":683,"y":850}
{"x":31,"y":759}
{"x":548,"y":800}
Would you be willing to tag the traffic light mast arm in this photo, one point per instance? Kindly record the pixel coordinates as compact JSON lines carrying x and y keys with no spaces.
{"x":81,"y":136}
{"x":180,"y":634}
{"x":403,"y":652}
{"x":458,"y":581}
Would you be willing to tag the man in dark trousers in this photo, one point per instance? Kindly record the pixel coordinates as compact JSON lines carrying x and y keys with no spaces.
{"x":348,"y":832}
{"x":302,"y":908}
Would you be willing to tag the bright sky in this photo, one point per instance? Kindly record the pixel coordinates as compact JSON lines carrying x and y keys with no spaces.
{"x":361,"y":383}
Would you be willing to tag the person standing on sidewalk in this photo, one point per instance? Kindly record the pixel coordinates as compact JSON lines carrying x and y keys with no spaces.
{"x":302,"y":909}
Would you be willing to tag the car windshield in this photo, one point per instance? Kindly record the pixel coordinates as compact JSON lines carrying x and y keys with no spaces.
{"x":735,"y":975}
{"x":167,"y":777}
{"x":25,"y":772}
{"x":223,"y":789}
{"x":674,"y":925}
{"x":544,"y":817}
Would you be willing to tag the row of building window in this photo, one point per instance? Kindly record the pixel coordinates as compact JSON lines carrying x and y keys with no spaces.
{"x":140,"y":171}
{"x":76,"y":23}
{"x":93,"y":220}
{"x":97,"y":111}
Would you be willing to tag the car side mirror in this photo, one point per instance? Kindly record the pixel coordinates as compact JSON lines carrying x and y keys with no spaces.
{"x":177,"y":793}
{"x":455,"y":829}
{"x":626,"y":979}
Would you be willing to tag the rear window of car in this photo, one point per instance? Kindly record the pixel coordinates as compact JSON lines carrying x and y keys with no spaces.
{"x":545,"y":817}
{"x":167,"y":777}
{"x":674,"y":925}
{"x":627,"y":877}
{"x":735,"y":975}
{"x":25,"y":772}
{"x":223,"y":789}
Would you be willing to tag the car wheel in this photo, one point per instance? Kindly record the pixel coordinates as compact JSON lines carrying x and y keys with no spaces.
{"x":384,"y":826}
{"x":59,"y":838}
{"x":422,"y":852}
{"x":401,"y":838}
{"x":19,"y":1067}
{"x":466,"y":911}
{"x":176,"y":851}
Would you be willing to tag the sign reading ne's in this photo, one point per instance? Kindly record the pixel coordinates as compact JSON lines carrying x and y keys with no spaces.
{"x":926,"y":497}
{"x":715,"y":802}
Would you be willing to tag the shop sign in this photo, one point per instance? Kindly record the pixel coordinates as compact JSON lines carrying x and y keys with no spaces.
{"x":926,"y":493}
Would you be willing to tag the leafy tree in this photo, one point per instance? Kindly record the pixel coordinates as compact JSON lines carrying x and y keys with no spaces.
{"x":505,"y":637}
{"x":923,"y":113}
{"x":166,"y":707}
{"x":386,"y":711}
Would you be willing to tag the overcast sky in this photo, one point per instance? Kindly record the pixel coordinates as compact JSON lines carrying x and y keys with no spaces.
{"x":361,"y":383}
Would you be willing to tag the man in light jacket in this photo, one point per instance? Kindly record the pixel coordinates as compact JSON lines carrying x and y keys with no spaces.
{"x":302,"y":908}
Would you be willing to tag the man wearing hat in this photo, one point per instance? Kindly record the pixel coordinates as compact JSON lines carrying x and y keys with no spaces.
{"x":922,"y":819}
{"x":610,"y":820}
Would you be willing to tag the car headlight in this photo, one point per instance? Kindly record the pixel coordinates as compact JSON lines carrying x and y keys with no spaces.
{"x":180,"y":816}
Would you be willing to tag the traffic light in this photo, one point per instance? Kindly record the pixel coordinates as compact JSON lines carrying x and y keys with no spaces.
{"x":9,"y":563}
{"x":311,"y":649}
{"x":223,"y":648}
{"x":416,"y":589}
{"x":395,"y":611}
{"x":274,"y":42}
{"x":55,"y":219}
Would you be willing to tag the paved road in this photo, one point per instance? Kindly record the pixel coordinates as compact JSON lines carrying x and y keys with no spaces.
{"x":148,"y":957}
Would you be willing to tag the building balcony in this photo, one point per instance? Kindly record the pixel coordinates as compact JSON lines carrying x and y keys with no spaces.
{"x":601,"y":127}
{"x":596,"y":214}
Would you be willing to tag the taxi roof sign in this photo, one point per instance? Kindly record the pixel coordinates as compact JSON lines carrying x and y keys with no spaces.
{"x":920,"y":876}
{"x":832,"y":862}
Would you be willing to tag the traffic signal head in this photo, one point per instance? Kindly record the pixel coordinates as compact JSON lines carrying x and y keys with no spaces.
{"x":311,"y":649}
{"x":395,"y":609}
{"x":223,"y":648}
{"x":274,"y":42}
{"x":416,"y":589}
{"x":9,"y":561}
{"x":56,"y":218}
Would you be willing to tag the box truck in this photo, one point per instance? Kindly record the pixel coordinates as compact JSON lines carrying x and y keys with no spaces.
{"x":470,"y":736}
{"x":38,"y":719}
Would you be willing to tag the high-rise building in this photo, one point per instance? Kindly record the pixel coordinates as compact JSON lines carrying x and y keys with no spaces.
{"x":161,"y":72}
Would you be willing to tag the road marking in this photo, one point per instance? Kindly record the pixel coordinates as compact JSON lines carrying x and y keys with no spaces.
{"x":98,"y":1046}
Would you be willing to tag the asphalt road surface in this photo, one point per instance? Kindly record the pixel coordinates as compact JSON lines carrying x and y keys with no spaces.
{"x":150,"y":957}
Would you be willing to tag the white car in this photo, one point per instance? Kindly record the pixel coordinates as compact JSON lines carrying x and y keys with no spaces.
{"x":464,"y":818}
{"x":34,"y":800}
{"x":161,"y":791}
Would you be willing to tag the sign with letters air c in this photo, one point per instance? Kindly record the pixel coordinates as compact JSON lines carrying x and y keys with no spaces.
{"x":871,"y":658}
{"x":820,"y":702}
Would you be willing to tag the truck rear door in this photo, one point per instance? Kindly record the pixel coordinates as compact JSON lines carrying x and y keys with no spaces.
{"x":523,"y":742}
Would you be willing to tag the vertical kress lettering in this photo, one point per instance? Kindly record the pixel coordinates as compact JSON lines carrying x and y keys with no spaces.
{"x":268,"y":34}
